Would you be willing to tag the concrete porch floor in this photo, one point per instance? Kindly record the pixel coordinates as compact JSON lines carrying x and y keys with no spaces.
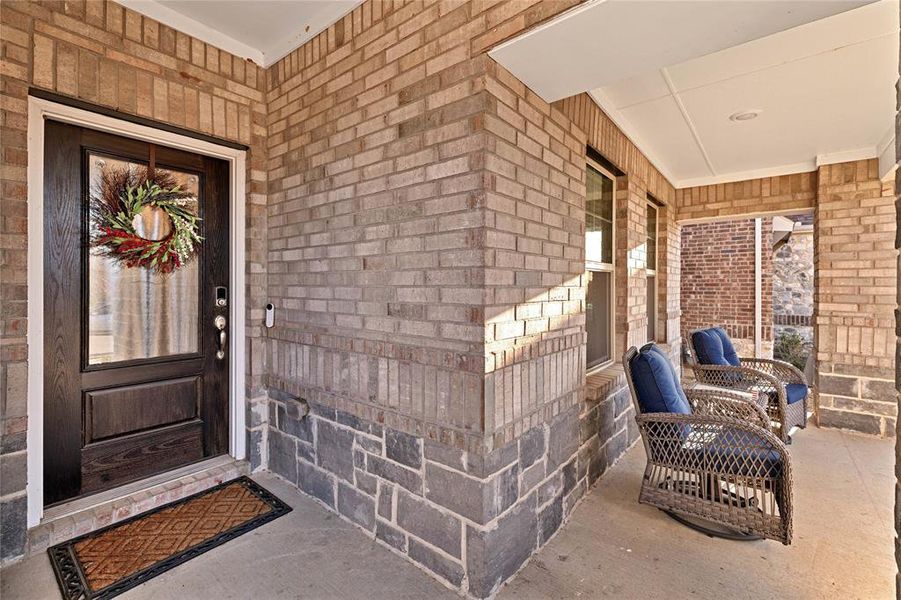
{"x":611,"y":548}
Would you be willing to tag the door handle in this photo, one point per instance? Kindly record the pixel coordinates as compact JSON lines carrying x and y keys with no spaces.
{"x":222,"y":338}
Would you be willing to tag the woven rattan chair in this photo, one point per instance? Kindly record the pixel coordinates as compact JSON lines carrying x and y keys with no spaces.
{"x":713,"y":464}
{"x":782,"y":386}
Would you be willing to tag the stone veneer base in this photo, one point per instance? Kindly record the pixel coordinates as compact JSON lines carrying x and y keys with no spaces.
{"x":471,"y":521}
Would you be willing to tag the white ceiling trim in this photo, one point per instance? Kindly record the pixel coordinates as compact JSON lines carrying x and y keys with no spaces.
{"x":196,"y":29}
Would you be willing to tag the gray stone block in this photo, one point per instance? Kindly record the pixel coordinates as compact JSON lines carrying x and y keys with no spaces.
{"x":551,"y":488}
{"x":435,"y":527}
{"x":606,"y":419}
{"x":493,"y":556}
{"x":255,"y":448}
{"x":386,"y":500}
{"x":306,"y":452}
{"x":391,"y":536}
{"x":334,"y":449}
{"x":883,"y":391}
{"x":569,"y":476}
{"x":440,"y":565}
{"x":356,"y":506}
{"x":549,"y":520}
{"x":316,"y":482}
{"x":838,"y":386}
{"x":395,"y":473}
{"x":849,"y":420}
{"x":366,"y":482}
{"x":444,"y":454}
{"x":403,"y":448}
{"x":622,"y":399}
{"x":293,"y":424}
{"x":283,"y":455}
{"x":370,"y":445}
{"x":563,"y":438}
{"x":531,"y":447}
{"x":531,"y":477}
{"x":12,"y":442}
{"x":483,"y":466}
{"x":478,"y":500}
{"x":12,"y":473}
{"x":13,"y":532}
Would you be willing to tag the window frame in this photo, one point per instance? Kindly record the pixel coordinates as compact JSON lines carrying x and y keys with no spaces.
{"x":595,"y":266}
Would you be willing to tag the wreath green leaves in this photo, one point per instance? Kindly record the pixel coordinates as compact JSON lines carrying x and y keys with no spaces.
{"x":127,"y":196}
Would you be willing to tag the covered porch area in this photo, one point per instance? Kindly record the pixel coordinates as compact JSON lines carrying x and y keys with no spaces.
{"x":612,"y":547}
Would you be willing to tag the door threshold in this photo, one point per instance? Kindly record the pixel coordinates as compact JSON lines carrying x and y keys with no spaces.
{"x":83,"y":515}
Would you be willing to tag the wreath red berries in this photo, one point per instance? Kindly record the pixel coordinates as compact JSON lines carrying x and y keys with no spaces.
{"x":127,"y":200}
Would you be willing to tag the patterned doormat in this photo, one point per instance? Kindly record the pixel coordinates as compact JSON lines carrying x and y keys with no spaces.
{"x":109,"y":561}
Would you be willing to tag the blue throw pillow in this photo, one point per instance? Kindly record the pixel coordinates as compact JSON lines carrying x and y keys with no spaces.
{"x":709,"y":348}
{"x":656,"y":385}
{"x":795,"y":392}
{"x":729,"y":352}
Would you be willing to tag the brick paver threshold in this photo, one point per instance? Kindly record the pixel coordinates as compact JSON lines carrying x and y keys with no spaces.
{"x":105,"y":563}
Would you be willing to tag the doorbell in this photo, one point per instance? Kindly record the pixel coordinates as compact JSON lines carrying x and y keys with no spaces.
{"x":270,"y":315}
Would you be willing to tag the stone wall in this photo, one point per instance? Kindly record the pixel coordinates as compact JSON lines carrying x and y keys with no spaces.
{"x":470,"y":519}
{"x":855,"y":266}
{"x":99,"y":52}
{"x":718,"y":281}
{"x":793,"y":286}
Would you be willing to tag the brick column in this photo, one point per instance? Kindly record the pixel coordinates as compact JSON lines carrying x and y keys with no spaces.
{"x":631,"y":261}
{"x":854,"y":263}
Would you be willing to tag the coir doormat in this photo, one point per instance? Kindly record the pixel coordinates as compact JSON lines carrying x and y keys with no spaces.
{"x":105,"y":563}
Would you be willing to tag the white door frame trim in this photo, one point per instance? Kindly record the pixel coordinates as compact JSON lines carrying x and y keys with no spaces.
{"x":38,"y":111}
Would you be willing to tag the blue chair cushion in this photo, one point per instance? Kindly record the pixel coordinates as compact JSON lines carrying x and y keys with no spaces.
{"x":795,"y":392}
{"x":729,"y":352}
{"x":756,"y":456}
{"x":656,"y":384}
{"x":709,"y":348}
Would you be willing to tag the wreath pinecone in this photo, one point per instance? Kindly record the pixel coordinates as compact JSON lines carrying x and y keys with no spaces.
{"x":122,"y":194}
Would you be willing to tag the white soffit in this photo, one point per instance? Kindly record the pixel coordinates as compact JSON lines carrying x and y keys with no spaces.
{"x":605,"y":41}
{"x":261,"y":30}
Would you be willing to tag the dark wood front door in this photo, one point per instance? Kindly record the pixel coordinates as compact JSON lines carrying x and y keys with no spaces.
{"x":135,"y":364}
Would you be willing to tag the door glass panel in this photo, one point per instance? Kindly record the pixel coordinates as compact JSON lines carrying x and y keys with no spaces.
{"x":597,"y":317}
{"x":136,"y":312}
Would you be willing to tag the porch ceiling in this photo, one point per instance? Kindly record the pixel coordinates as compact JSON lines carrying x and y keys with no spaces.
{"x":820,"y":77}
{"x":262,"y":31}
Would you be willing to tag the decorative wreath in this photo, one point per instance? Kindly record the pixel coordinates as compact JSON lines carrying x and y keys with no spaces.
{"x":143,"y":220}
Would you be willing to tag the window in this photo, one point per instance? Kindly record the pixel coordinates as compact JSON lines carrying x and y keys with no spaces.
{"x":599,"y":265}
{"x":651,"y":269}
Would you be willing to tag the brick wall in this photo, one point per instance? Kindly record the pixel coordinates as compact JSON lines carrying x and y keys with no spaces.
{"x":426,"y":254}
{"x":854,"y":275}
{"x":785,"y":194}
{"x":718,"y":281}
{"x":105,"y":54}
{"x":855,"y":266}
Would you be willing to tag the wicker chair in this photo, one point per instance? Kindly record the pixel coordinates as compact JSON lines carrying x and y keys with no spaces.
{"x":713,"y":464}
{"x":782,"y":386}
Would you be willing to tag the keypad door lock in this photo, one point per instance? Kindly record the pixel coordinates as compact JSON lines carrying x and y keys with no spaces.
{"x":221,"y":296}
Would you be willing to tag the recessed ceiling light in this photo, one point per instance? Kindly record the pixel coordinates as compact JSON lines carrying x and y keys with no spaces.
{"x":745,"y":115}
